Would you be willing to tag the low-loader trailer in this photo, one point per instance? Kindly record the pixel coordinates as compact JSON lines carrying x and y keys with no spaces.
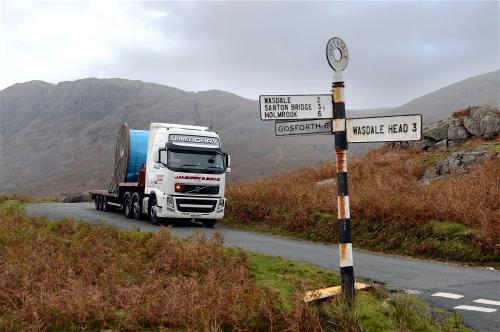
{"x":171,"y":171}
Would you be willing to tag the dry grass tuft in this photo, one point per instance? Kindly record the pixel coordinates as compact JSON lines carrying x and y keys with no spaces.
{"x":383,"y":186}
{"x":462,"y":113}
{"x":15,"y":197}
{"x":72,"y":276}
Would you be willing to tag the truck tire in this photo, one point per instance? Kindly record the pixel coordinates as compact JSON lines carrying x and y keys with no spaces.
{"x":96,"y":201}
{"x":127,"y":205}
{"x":137,"y":206}
{"x":153,"y":217}
{"x":105,"y":206}
{"x":100,"y":202}
{"x":209,"y":223}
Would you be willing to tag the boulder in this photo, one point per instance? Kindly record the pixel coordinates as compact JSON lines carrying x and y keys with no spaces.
{"x":456,"y":131}
{"x":483,"y":122}
{"x":459,"y":162}
{"x":438,"y":131}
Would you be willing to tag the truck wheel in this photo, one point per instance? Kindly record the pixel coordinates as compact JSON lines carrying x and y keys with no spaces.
{"x":127,"y":206}
{"x":96,"y":201}
{"x":153,"y":217}
{"x":100,"y":202}
{"x":209,"y":223}
{"x":137,"y":206}
{"x":105,"y":206}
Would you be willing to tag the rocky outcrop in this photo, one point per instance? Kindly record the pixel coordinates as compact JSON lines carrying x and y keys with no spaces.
{"x":456,"y":162}
{"x":478,"y":121}
{"x":482,"y":122}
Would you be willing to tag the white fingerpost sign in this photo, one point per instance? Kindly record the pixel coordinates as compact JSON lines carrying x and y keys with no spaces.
{"x":295,"y":107}
{"x":305,"y":127}
{"x":384,"y":129}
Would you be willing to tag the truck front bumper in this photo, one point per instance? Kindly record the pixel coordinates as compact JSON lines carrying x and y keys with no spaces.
{"x":189,"y":207}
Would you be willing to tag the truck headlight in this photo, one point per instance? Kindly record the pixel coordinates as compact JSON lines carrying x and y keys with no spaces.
{"x":221,"y":204}
{"x":170,"y":201}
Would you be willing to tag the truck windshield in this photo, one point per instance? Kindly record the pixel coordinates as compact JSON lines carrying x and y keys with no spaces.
{"x":195,"y":161}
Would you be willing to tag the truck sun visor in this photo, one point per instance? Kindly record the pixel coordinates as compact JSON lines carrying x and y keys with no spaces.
{"x":194,"y":140}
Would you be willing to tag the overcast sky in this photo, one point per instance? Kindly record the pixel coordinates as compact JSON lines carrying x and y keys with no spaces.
{"x":398,"y":50}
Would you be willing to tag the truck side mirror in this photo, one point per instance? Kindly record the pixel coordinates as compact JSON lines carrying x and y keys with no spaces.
{"x":228,"y":163}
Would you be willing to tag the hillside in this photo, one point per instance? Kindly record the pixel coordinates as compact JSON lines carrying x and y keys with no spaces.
{"x":73,"y":276}
{"x":60,"y":138}
{"x":436,"y":200}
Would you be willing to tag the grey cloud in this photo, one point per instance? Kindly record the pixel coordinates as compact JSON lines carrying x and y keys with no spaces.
{"x":399,"y":50}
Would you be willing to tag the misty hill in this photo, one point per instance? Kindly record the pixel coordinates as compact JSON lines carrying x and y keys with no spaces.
{"x":437,"y":105}
{"x":57,"y":138}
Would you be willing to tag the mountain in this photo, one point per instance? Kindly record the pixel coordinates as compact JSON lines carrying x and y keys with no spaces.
{"x":57,"y":138}
{"x":437,"y":105}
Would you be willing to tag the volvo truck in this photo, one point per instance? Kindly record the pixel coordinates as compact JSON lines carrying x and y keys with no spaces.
{"x":171,"y":171}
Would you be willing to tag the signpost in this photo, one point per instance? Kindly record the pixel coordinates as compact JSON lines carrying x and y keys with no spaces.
{"x":325,"y":114}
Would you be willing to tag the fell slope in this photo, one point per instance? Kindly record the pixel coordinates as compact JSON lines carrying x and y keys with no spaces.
{"x":60,"y":138}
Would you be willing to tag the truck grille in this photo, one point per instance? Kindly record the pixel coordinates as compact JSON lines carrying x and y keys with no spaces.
{"x":195,"y":205}
{"x":199,"y":189}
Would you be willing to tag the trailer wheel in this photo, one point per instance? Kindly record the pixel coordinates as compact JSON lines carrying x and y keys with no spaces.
{"x":127,"y":205}
{"x":105,"y":206}
{"x":153,"y":217}
{"x":209,"y":223}
{"x":100,"y":202}
{"x":137,"y":206}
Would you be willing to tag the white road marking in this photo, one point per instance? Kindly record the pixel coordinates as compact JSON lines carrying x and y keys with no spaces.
{"x":473,"y":308}
{"x":448,"y":295}
{"x":490,"y":302}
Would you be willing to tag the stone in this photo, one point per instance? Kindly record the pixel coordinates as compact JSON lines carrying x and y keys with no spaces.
{"x":426,"y":143}
{"x":442,"y":145}
{"x":430,"y":175}
{"x":456,"y":131}
{"x":459,"y":162}
{"x":483,"y":122}
{"x":438,"y":131}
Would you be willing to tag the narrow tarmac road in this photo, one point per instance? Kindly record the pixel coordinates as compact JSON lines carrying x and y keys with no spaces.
{"x":469,"y":291}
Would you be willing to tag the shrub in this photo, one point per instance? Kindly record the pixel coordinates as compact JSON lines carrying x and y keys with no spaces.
{"x":383,"y":186}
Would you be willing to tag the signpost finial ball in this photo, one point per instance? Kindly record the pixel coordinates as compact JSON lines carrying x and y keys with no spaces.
{"x":337,"y":54}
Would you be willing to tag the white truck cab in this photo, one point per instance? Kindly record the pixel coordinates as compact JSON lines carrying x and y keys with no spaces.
{"x":185,"y":173}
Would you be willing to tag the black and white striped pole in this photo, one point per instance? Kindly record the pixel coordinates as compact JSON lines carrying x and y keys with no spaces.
{"x":338,"y":57}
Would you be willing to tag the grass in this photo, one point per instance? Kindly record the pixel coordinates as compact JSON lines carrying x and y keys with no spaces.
{"x":63,"y":275}
{"x":286,"y":276}
{"x":391,"y":210}
{"x":491,"y":147}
